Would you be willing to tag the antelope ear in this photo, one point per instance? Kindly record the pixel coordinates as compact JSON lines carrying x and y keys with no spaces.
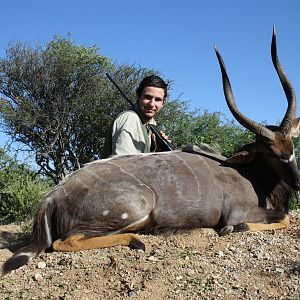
{"x":242,"y":157}
{"x":295,"y":128}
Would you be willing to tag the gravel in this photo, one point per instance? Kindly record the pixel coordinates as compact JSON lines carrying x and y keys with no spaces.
{"x":186,"y":264}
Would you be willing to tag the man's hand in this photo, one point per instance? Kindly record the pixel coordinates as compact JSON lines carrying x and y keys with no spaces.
{"x":165,"y":137}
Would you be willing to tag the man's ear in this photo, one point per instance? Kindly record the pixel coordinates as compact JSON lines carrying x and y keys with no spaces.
{"x":295,"y":128}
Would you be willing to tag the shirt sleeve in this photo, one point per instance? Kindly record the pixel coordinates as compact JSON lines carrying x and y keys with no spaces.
{"x":127,"y":135}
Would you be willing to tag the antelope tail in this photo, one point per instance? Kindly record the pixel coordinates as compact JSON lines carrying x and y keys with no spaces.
{"x":41,"y":239}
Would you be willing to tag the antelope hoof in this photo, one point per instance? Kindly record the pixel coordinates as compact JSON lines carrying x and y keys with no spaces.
{"x":137,"y":244}
{"x":226,"y":230}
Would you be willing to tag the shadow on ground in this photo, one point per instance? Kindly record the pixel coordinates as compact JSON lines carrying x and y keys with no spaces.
{"x":13,"y":240}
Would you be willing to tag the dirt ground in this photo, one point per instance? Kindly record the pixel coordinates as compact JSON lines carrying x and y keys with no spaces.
{"x":193,"y":264}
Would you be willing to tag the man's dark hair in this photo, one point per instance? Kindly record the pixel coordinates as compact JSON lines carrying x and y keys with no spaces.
{"x":154,"y":81}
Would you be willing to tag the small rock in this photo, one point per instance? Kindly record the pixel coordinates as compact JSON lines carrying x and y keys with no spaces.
{"x":41,"y":265}
{"x":131,"y":294}
{"x":152,"y":258}
{"x":38,"y":276}
{"x":235,"y":286}
{"x":220,"y":253}
{"x":232,"y":249}
{"x":279,"y":270}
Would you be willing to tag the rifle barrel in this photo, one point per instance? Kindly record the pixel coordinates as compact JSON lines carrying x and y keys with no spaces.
{"x":119,"y":89}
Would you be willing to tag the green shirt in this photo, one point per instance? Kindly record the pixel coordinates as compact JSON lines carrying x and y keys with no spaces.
{"x":128,"y":135}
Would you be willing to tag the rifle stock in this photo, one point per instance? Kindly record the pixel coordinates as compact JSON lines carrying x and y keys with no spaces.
{"x":162,"y":143}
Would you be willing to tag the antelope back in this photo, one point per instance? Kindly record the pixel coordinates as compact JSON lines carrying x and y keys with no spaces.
{"x":173,"y":189}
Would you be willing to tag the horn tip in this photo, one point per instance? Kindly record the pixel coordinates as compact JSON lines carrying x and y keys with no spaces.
{"x":216,"y":49}
{"x":274,"y":30}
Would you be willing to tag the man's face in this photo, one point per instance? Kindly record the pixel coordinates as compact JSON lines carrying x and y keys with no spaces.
{"x":151,"y":101}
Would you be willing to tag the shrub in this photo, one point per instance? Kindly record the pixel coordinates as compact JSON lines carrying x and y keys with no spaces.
{"x":20,"y":190}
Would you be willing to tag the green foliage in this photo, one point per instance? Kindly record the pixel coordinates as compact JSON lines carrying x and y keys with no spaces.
{"x":57,"y":101}
{"x":297,"y":149}
{"x":186,"y":126}
{"x":20,"y":190}
{"x":294,"y":201}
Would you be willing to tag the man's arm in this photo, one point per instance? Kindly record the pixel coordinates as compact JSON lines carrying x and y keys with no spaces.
{"x":127,"y":135}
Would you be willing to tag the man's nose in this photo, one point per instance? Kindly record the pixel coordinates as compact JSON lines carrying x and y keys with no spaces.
{"x":152,"y":102}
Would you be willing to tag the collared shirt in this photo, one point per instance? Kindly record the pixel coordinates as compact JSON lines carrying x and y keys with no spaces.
{"x":129,"y":135}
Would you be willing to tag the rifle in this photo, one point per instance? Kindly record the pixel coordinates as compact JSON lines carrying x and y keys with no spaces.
{"x":162,"y":143}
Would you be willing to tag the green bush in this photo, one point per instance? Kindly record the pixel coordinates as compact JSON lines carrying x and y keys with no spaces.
{"x":185,"y":126}
{"x":294,"y":202}
{"x":20,"y":190}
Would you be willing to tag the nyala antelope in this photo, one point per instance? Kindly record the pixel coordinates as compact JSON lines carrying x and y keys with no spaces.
{"x":104,"y":203}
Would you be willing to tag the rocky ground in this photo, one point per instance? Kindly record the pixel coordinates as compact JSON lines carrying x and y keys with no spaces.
{"x":193,"y":264}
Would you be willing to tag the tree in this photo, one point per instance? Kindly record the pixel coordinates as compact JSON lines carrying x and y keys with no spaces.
{"x":20,"y":189}
{"x":186,"y":126}
{"x":57,"y":101}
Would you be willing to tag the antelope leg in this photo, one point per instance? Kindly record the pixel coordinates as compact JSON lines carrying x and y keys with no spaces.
{"x":80,"y":242}
{"x":283,"y":224}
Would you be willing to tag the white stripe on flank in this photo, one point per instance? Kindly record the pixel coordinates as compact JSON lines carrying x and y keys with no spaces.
{"x":140,"y":182}
{"x":115,"y":157}
{"x":106,"y":160}
{"x":130,"y":225}
{"x":209,"y":169}
{"x":192,"y":171}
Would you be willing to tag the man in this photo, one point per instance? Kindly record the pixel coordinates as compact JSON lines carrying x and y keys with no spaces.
{"x":130,"y":133}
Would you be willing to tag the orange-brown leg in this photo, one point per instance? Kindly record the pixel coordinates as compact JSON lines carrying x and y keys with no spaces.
{"x":283,"y":224}
{"x":78,"y":242}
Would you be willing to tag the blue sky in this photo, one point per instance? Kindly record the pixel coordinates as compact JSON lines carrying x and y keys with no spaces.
{"x":177,"y":39}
